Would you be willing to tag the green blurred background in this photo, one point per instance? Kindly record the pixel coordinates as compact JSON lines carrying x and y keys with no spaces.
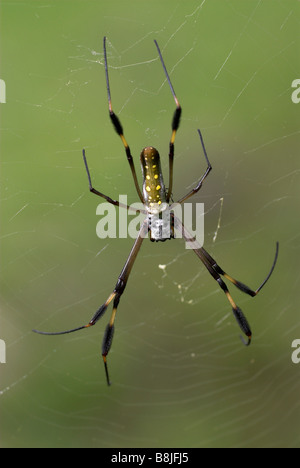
{"x":181,"y":377}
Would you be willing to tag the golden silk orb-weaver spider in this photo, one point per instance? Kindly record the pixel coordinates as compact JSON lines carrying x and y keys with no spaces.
{"x":156,"y":199}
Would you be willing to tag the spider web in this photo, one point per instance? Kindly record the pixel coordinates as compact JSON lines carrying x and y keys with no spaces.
{"x":181,"y":377}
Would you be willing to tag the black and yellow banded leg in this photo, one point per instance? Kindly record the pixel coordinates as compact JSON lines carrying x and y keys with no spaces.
{"x":114,"y":296}
{"x":237,"y":312}
{"x":118,"y":127}
{"x":241,"y":286}
{"x":216,"y":271}
{"x":97,"y":316}
{"x":175,"y":125}
{"x":117,"y":293}
{"x":108,"y":336}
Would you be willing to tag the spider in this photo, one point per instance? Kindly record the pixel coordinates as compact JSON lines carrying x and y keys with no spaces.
{"x":156,"y":198}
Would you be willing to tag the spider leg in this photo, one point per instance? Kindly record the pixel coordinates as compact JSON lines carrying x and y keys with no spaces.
{"x":175,"y":125}
{"x":118,"y":291}
{"x":199,"y":185}
{"x":243,"y":287}
{"x":92,"y":322}
{"x":216,"y":271}
{"x":237,"y":312}
{"x":100,"y":194}
{"x":96,"y":192}
{"x":114,"y":296}
{"x":118,"y":127}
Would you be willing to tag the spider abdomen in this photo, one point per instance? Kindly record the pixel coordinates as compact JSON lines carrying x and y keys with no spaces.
{"x":154,"y":191}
